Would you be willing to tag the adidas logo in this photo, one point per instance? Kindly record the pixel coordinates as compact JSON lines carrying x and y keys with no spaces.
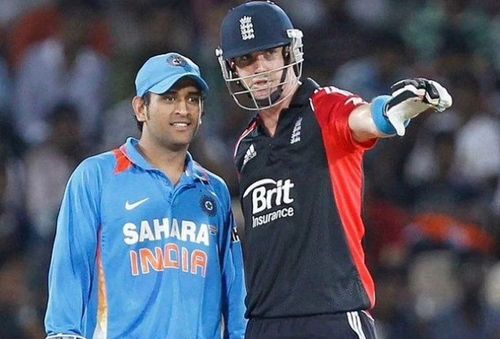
{"x":296,"y":131}
{"x":249,"y":155}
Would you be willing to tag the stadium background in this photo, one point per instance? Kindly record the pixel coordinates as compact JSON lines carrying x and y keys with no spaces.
{"x":432,"y":198}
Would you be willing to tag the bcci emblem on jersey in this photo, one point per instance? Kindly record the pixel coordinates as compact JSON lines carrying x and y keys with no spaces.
{"x":208,"y":205}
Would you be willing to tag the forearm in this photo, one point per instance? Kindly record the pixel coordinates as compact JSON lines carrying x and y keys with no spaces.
{"x":362,"y":125}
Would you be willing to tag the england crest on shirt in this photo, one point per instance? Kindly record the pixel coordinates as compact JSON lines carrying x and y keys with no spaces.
{"x":296,"y":131}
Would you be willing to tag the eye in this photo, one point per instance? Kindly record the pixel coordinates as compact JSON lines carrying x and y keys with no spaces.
{"x":272,"y":53}
{"x":194,"y":99}
{"x":168,"y":97}
{"x":243,"y":60}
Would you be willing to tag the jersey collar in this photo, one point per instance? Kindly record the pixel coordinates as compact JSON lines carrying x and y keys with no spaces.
{"x":304,"y":92}
{"x":300,"y":98}
{"x":193,"y":172}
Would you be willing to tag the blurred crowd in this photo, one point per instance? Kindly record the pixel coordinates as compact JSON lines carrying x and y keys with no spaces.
{"x":432,"y":198}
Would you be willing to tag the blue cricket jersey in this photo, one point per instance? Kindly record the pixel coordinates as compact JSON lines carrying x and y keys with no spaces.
{"x":136,"y":257}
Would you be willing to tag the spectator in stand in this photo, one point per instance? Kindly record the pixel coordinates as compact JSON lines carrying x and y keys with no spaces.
{"x":45,"y":20}
{"x":14,"y":228}
{"x":16,"y":318}
{"x":48,"y":167}
{"x":384,"y":64}
{"x":62,"y":66}
{"x":5,"y":77}
{"x":430,"y":25}
{"x":477,"y":156}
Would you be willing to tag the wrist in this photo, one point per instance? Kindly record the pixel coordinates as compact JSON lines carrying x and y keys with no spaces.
{"x":378,"y":109}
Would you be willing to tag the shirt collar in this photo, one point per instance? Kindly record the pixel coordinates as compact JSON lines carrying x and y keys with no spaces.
{"x":192,"y":172}
{"x":300,"y":98}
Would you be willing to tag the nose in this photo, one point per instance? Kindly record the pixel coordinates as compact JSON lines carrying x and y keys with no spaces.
{"x":182,"y":107}
{"x":259,"y":63}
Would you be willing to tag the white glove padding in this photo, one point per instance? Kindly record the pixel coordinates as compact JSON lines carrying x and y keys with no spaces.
{"x":411,"y":97}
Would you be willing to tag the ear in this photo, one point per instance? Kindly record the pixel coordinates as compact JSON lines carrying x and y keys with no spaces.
{"x":286,"y":52}
{"x":140,"y":108}
{"x":202,"y":113}
{"x":232,"y":67}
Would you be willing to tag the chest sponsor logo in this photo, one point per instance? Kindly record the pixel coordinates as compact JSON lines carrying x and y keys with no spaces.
{"x":271,"y":200}
{"x":177,"y":252}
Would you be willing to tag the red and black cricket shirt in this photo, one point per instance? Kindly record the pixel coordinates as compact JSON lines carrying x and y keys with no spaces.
{"x":301,"y":194}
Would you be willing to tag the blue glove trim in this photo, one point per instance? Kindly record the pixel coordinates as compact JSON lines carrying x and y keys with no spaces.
{"x":378,"y":115}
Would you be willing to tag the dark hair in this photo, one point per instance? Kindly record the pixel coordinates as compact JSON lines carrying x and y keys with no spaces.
{"x":147,"y":99}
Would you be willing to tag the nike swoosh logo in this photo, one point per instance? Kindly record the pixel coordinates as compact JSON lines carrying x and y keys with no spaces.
{"x":130,"y":206}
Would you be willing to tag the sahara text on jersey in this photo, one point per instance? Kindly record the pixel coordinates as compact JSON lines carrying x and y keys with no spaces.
{"x":171,"y":255}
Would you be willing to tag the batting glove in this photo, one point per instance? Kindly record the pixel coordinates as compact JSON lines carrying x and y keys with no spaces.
{"x":410,"y":97}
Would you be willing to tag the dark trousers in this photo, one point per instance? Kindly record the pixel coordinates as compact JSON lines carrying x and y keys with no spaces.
{"x":349,"y":325}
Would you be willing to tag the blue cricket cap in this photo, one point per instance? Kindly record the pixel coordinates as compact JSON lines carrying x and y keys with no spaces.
{"x":161,"y":72}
